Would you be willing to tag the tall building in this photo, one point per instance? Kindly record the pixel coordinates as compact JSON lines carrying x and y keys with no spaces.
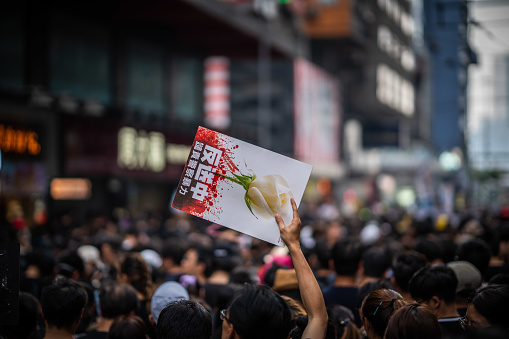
{"x":488,"y":88}
{"x":445,"y":31}
{"x":370,"y":46}
{"x":488,"y":103}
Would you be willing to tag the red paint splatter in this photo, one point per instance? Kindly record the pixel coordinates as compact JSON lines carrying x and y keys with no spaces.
{"x":209,"y":208}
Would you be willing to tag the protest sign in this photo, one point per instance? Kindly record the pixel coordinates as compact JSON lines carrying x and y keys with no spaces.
{"x":239,"y":185}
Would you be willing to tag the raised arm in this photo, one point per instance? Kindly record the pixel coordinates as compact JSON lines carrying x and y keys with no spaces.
{"x":310,"y":292}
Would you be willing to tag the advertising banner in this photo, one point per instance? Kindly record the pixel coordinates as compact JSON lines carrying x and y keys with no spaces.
{"x":239,"y":185}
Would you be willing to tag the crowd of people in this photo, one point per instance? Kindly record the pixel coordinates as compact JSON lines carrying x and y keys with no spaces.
{"x":394,"y":276}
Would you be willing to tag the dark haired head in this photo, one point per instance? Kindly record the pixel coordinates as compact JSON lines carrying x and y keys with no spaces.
{"x":414,"y":321}
{"x":439,"y":281}
{"x":378,"y":307}
{"x":500,"y":279}
{"x":344,"y":321}
{"x":405,"y":266}
{"x":477,"y":252}
{"x":346,"y":255}
{"x":371,"y":286}
{"x":492,"y":301}
{"x":136,"y":271}
{"x":71,"y":265}
{"x":375,"y":262}
{"x":259,"y":312}
{"x":323,"y":253}
{"x":224,"y":258}
{"x":301,"y":323}
{"x":432,"y":250}
{"x":116,"y":299}
{"x":174,"y":250}
{"x":128,"y":327}
{"x":184,"y":319}
{"x":198,"y":260}
{"x":62,"y":303}
{"x":28,"y":315}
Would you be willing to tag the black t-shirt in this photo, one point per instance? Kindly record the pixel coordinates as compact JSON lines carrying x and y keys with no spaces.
{"x":92,"y":335}
{"x":345,"y":296}
{"x":451,"y":328}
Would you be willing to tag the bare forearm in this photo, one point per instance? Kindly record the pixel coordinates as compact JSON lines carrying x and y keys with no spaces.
{"x":311,"y":295}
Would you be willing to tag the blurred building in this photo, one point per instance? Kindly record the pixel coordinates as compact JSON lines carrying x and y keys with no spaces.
{"x":99,"y":105}
{"x":445,"y":31}
{"x":375,"y":49}
{"x":110,"y":97}
{"x":488,"y":103}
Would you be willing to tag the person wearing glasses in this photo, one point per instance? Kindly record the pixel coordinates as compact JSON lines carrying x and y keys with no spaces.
{"x":487,"y":310}
{"x":259,"y":312}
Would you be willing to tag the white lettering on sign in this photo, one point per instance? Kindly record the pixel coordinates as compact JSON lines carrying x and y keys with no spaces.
{"x":139,"y":150}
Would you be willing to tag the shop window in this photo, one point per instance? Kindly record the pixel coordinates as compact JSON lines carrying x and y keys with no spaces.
{"x":11,"y":49}
{"x":146,"y":77}
{"x":187,"y":89}
{"x":80,"y":60}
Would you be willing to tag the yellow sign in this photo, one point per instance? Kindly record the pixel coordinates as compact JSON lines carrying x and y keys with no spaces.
{"x":18,"y":141}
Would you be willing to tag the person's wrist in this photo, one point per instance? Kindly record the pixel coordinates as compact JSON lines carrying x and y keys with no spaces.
{"x":293,"y":247}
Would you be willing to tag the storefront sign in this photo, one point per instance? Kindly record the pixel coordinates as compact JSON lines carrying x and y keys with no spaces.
{"x":141,"y":150}
{"x":70,"y":189}
{"x":18,"y":140}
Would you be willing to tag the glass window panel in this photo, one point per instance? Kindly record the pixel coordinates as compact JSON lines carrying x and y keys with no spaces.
{"x":11,"y":49}
{"x":80,"y":61}
{"x":187,"y":89}
{"x":146,"y":75}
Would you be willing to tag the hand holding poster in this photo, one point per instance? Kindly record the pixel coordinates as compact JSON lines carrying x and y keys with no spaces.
{"x":239,"y":185}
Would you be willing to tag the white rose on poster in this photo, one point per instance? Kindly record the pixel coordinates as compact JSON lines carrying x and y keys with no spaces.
{"x":269,"y":195}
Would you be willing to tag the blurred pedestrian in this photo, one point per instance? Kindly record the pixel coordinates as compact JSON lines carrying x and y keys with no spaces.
{"x":62,"y":303}
{"x":413,"y":321}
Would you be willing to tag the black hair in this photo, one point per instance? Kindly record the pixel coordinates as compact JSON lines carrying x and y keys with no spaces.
{"x":241,"y":276}
{"x":413,"y":321}
{"x":346,"y":255}
{"x":259,"y":312}
{"x":477,"y":252}
{"x":90,"y":312}
{"x":116,"y":299}
{"x":70,"y":263}
{"x":128,"y":327}
{"x":28,"y":316}
{"x":500,"y":278}
{"x":371,"y":286}
{"x":438,"y":280}
{"x":184,"y":319}
{"x":225,"y":258}
{"x":449,"y":248}
{"x":375,"y":261}
{"x":62,"y":302}
{"x":270,"y":274}
{"x":405,"y":266}
{"x":378,"y":307}
{"x":301,"y":323}
{"x":136,"y":270}
{"x":174,"y":250}
{"x":431,"y":249}
{"x":323,"y":253}
{"x":491,"y":302}
{"x":344,"y":321}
